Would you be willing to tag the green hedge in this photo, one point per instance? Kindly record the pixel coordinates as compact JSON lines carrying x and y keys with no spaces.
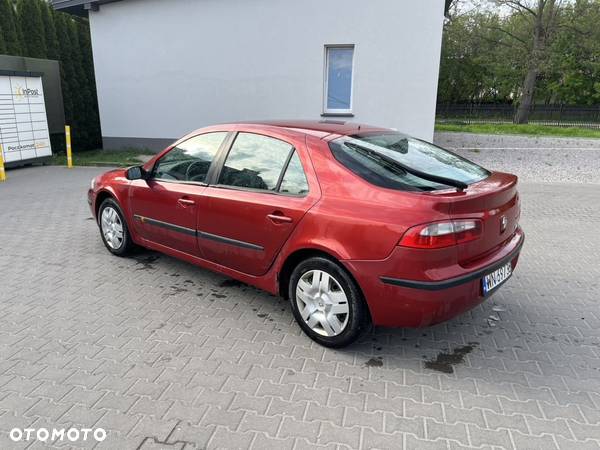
{"x":32,"y":28}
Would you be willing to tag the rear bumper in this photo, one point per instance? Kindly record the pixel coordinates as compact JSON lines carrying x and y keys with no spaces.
{"x":406,"y":302}
{"x":457,"y":281}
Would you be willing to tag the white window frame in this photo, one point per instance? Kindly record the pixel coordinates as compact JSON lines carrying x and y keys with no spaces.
{"x":337,"y":112}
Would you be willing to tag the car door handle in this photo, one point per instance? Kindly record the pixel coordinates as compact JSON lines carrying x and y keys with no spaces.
{"x":279,"y":218}
{"x":186,"y":202}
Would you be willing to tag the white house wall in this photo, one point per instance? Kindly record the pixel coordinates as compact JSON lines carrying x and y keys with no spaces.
{"x":164,"y":68}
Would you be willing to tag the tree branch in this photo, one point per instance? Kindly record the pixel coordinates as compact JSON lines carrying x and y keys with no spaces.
{"x":518,"y":6}
{"x":492,"y":41}
{"x":508,"y":33}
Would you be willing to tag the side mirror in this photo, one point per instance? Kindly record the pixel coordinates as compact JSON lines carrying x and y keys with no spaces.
{"x":136,"y":173}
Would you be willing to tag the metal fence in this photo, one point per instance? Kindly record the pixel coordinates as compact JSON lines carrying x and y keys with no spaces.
{"x":555,"y":115}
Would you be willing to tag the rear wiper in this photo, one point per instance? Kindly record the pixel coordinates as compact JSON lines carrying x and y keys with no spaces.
{"x":423,"y":175}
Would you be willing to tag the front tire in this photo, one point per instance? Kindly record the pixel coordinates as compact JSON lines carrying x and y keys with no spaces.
{"x":113,"y":228}
{"x":326,"y":302}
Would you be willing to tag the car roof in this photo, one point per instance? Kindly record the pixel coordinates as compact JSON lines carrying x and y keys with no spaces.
{"x":320,"y":128}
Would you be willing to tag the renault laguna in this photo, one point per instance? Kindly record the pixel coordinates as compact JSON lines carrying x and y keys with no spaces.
{"x":356,"y":225}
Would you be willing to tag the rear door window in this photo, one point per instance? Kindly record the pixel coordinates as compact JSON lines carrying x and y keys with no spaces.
{"x":378,"y":158}
{"x":255,"y":162}
{"x":294,"y":181}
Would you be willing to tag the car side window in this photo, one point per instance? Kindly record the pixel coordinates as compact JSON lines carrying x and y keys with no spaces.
{"x":255,"y":162}
{"x":294,"y":181}
{"x":189,"y":160}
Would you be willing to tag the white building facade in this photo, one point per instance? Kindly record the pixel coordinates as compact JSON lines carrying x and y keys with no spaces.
{"x":164,"y":68}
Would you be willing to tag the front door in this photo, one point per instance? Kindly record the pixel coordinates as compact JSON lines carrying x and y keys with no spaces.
{"x":261,"y":195}
{"x":165,"y":207}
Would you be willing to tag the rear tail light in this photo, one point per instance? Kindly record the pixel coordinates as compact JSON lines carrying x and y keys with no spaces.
{"x":442,"y":234}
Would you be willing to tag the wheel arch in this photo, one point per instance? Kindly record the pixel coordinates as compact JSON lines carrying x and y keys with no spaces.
{"x":297,"y":256}
{"x":100,"y":197}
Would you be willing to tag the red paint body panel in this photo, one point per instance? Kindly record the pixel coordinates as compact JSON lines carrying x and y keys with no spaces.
{"x":177,"y":204}
{"x":357,"y":223}
{"x":407,"y":307}
{"x":243,"y":216}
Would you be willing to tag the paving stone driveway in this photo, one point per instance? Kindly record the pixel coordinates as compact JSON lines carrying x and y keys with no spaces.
{"x":165,"y":355}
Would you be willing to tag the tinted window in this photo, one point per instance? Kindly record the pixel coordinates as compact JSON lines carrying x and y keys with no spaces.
{"x":378,"y":158}
{"x":255,"y":161}
{"x":191,"y":159}
{"x":294,"y":180}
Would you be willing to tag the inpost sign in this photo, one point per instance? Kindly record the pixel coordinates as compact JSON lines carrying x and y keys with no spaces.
{"x":23,"y":123}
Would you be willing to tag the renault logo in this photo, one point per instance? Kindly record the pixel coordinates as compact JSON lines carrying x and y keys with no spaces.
{"x":503,"y":224}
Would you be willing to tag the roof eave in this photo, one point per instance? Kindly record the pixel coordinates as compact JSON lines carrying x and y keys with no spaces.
{"x":79,"y":7}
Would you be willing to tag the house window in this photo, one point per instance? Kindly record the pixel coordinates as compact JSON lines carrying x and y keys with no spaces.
{"x":338,"y":79}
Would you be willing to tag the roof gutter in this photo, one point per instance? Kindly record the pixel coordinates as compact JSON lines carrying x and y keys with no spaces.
{"x":79,"y":7}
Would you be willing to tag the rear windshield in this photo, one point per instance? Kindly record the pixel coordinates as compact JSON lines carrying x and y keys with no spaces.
{"x":379,"y":159}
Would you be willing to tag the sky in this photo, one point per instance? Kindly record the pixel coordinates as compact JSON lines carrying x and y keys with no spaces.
{"x":466,"y":5}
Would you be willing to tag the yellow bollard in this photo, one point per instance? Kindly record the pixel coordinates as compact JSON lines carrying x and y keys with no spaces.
{"x":69,"y":155}
{"x":2,"y":171}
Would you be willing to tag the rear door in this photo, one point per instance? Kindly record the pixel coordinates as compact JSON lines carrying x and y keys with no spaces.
{"x":261,"y":193}
{"x":165,"y":207}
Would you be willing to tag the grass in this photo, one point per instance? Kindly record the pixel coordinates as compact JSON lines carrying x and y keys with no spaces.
{"x":529,"y":129}
{"x":119,"y":158}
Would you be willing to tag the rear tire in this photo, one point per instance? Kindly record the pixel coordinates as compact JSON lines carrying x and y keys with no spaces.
{"x":113,"y":228}
{"x":327,"y":303}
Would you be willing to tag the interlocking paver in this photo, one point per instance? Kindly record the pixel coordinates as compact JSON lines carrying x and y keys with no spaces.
{"x":264,"y":442}
{"x":412,"y":425}
{"x":164,"y":355}
{"x":291,"y":427}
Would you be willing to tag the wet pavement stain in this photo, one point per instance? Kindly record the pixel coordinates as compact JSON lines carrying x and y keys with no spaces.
{"x":232,"y":283}
{"x":146,"y":262}
{"x":177,"y":290}
{"x":375,"y":362}
{"x":445,"y":362}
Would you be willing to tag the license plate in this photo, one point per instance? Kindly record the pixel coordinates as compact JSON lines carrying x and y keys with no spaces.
{"x":492,"y":280}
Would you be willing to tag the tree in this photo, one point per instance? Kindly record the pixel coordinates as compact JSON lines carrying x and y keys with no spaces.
{"x":47,"y":13}
{"x":67,"y":73}
{"x":479,"y":63}
{"x":32,"y":28}
{"x":92,"y":123}
{"x":541,"y":17}
{"x":574,"y":57}
{"x":8,"y":28}
{"x":449,"y":5}
{"x":2,"y":44}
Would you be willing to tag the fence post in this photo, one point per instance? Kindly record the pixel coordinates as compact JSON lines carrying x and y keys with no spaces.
{"x":68,"y":138}
{"x":2,"y":171}
{"x":560,"y":111}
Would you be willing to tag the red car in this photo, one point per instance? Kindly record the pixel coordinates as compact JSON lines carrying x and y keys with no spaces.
{"x":354,"y":224}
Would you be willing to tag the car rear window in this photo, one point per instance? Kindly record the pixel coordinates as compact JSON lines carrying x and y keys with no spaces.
{"x":379,"y":159}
